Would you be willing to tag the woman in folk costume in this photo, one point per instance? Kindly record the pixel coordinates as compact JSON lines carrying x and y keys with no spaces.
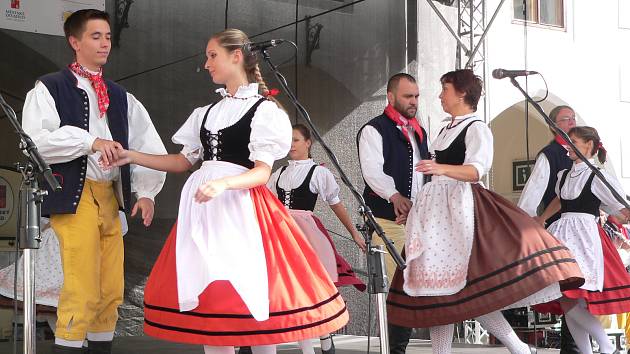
{"x":236,"y":270}
{"x":606,"y":289}
{"x":297,"y":186}
{"x":469,"y":252}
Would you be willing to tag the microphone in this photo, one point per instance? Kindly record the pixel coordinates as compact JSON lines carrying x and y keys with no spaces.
{"x":250,"y":48}
{"x":502,"y":73}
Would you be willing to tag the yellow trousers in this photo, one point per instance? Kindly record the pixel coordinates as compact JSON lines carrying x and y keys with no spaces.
{"x":396,"y":233}
{"x":623,"y":321}
{"x":92,"y":256}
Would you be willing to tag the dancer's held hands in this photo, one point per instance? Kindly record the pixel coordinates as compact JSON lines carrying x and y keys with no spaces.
{"x":123,"y":157}
{"x":108,"y":149}
{"x":210,"y":189}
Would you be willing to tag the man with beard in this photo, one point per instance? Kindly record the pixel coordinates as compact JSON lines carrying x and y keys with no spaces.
{"x":390,"y":146}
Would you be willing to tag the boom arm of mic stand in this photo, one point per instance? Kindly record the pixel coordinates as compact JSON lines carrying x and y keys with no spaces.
{"x":29,"y":148}
{"x":564,"y":135}
{"x":369,"y":217}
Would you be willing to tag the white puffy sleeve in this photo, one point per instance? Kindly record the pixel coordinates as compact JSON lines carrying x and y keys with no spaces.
{"x":41,"y":121}
{"x":270,"y":138}
{"x":188,"y":135}
{"x":143,"y":137}
{"x":324,"y":183}
{"x":479,"y":149}
{"x":535,"y":187}
{"x":602,"y":192}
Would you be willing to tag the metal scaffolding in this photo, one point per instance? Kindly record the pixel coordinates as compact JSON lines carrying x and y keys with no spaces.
{"x":470,"y":36}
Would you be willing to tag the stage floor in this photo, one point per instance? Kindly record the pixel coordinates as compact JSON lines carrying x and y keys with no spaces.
{"x":344,"y":344}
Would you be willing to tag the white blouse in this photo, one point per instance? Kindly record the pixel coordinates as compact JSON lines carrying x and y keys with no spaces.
{"x":41,"y":121}
{"x":479,"y":149}
{"x":270,"y":138}
{"x":323,"y":182}
{"x":576,"y":180}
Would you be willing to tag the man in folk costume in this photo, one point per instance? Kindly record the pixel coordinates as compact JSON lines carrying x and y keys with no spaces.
{"x":77,"y":118}
{"x":390,"y":145}
{"x":539,"y":190}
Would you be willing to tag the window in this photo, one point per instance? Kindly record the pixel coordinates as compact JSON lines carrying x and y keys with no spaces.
{"x":544,"y":12}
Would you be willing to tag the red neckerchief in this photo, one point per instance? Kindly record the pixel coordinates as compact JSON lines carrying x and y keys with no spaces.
{"x":97,"y":83}
{"x":395,"y":116}
{"x":560,"y":140}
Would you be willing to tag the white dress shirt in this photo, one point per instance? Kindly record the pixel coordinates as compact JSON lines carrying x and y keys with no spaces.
{"x":322,"y":182}
{"x":372,"y":161}
{"x":536,"y":185}
{"x":41,"y":121}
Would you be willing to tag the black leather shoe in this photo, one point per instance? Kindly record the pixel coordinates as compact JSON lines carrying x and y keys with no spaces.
{"x":98,"y":347}
{"x":60,"y":349}
{"x":332,"y":346}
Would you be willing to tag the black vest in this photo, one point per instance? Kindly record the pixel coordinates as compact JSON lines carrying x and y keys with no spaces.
{"x":398,"y":163}
{"x":586,"y":202}
{"x":300,"y":198}
{"x":229,"y":144}
{"x":455,"y":154}
{"x":559,"y":160}
{"x":74,"y":109}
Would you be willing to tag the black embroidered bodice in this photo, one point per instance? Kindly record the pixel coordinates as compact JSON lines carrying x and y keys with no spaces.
{"x":300,"y":198}
{"x":229,"y":144}
{"x":586,"y":202}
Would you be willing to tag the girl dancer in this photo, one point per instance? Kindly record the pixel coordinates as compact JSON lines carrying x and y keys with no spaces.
{"x":298,"y":185}
{"x":607,"y":284}
{"x":236,"y":269}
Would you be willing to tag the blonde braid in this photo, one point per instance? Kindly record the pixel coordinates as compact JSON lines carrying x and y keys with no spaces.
{"x":262,"y":86}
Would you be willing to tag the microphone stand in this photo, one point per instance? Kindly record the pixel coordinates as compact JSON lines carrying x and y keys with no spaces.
{"x":377,"y":277}
{"x":31,"y":197}
{"x":564,"y":135}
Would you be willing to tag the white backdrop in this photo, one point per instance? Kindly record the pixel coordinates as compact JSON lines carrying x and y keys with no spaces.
{"x":42,"y":16}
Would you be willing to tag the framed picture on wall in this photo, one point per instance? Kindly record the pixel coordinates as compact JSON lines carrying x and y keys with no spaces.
{"x":521,"y":170}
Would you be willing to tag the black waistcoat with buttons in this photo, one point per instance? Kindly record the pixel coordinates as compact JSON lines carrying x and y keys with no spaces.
{"x":74,"y":109}
{"x":586,"y":202}
{"x":455,"y":154}
{"x":300,"y":198}
{"x":229,"y":144}
{"x":559,"y":160}
{"x":398,"y":163}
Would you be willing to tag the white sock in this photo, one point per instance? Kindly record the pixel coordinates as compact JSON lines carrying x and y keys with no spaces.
{"x":69,"y":343}
{"x":101,"y":336}
{"x":588,"y":322}
{"x":264,"y":349}
{"x":580,"y":335}
{"x":326,"y":342}
{"x":441,"y":338}
{"x":307,"y":346}
{"x":212,"y":349}
{"x":496,"y":324}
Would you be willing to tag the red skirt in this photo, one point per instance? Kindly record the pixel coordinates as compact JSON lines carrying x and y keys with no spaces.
{"x":614,"y":297}
{"x":512,"y":257}
{"x":344,"y":269}
{"x":304,"y":303}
